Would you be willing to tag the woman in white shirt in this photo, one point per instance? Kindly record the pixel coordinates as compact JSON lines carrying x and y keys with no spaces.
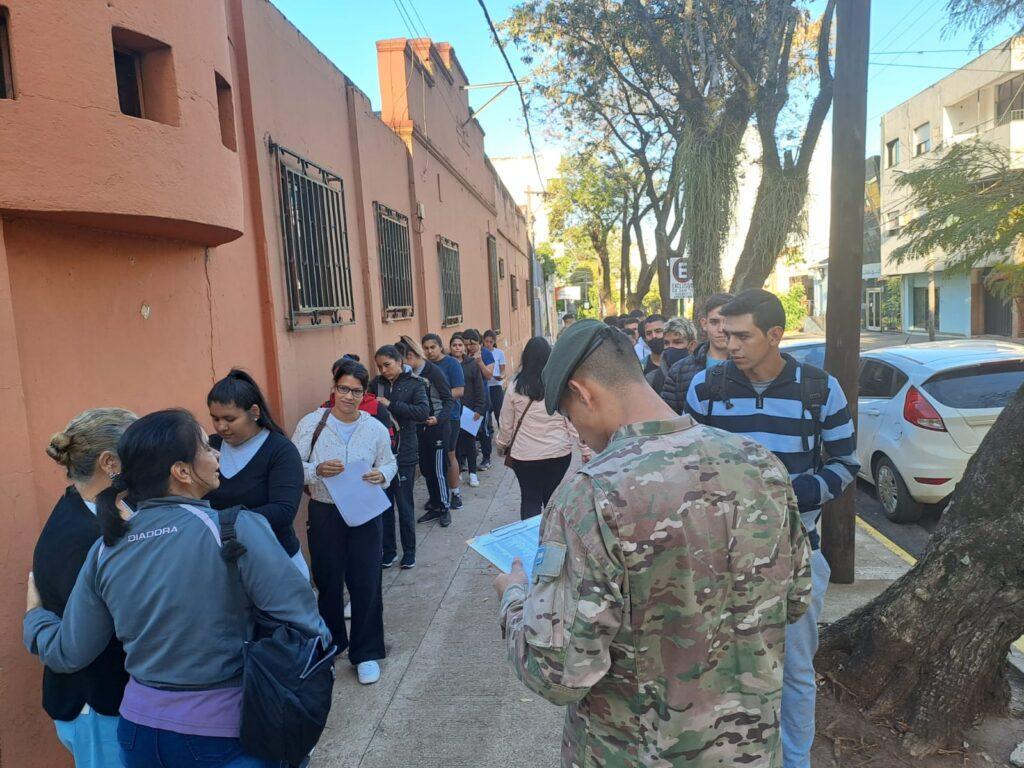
{"x":329,"y":440}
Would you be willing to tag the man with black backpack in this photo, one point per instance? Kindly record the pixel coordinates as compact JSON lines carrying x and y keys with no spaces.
{"x":798,"y":412}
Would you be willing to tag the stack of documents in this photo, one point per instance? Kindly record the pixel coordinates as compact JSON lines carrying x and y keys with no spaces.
{"x":502,"y":545}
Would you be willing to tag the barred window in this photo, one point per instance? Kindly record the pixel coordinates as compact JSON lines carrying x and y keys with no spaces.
{"x":493,"y":266}
{"x":515,"y":291}
{"x":451,"y":281}
{"x":315,"y":242}
{"x":395,"y":261}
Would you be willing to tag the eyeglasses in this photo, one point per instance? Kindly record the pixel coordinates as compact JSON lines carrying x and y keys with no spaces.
{"x":343,"y":390}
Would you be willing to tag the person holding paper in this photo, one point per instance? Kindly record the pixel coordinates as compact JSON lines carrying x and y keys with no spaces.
{"x":329,"y":441}
{"x":539,"y":446}
{"x":474,"y":399}
{"x":668,"y":569}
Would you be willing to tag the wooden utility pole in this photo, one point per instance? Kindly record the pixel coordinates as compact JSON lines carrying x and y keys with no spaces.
{"x":846,"y":252}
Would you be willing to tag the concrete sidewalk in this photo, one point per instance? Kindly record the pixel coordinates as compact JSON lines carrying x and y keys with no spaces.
{"x":447,"y":697}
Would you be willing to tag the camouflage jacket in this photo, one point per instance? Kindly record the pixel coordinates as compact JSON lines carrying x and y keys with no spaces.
{"x":668,"y":570}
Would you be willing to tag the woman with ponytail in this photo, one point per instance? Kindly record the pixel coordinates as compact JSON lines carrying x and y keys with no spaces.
{"x":260,"y":468}
{"x":84,"y":704}
{"x":158,"y":581}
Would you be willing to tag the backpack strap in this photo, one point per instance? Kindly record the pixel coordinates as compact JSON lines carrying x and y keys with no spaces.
{"x":813,"y":396}
{"x":317,"y":432}
{"x":715,"y":379}
{"x":230,"y":547}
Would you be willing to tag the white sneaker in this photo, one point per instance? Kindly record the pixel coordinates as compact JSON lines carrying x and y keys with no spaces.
{"x":348,"y":610}
{"x":474,"y":481}
{"x":368,"y":672}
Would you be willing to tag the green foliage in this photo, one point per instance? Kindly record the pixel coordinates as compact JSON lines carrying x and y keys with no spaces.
{"x":546,"y":257}
{"x":795,"y":304}
{"x":892,"y":304}
{"x":984,"y":16}
{"x":972,"y":208}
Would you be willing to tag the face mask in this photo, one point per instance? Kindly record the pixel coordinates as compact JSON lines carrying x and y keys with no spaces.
{"x":673,"y":355}
{"x":657,"y":346}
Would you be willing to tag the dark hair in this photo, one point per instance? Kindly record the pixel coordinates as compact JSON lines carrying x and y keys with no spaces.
{"x":147,"y":450}
{"x":613,"y":321}
{"x":407,"y":345}
{"x":637,"y":313}
{"x":340,"y":360}
{"x":629,"y":320}
{"x":531,"y":365}
{"x":432,"y":337}
{"x":766,"y":308}
{"x":714,"y":301}
{"x":472,"y":334}
{"x":568,"y":316}
{"x":655,"y":318}
{"x":389,"y":350}
{"x":490,"y":334}
{"x":238,"y":388}
{"x":457,"y":335}
{"x":349,"y":367}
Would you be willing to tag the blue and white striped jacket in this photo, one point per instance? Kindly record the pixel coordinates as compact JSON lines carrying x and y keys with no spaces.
{"x":777,"y":420}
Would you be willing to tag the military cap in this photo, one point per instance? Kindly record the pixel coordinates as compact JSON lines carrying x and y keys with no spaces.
{"x":574,"y":345}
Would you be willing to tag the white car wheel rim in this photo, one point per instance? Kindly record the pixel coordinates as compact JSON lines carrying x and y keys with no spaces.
{"x":887,"y":489}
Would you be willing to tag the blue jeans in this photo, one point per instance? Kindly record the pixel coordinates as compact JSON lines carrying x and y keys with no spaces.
{"x":798,"y":688}
{"x":92,"y":739}
{"x":145,"y":747}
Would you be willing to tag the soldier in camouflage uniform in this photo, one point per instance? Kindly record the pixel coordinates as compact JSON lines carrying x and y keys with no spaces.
{"x":669,"y":567}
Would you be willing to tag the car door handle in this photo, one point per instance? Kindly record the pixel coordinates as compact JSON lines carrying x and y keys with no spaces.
{"x":872,"y":411}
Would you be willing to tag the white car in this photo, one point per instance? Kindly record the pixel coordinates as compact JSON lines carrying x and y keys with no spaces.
{"x":923,"y":411}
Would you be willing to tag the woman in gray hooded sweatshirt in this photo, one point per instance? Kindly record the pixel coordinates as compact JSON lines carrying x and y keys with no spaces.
{"x":157,"y":581}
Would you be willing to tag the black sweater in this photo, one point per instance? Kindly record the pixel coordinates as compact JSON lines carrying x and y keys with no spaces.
{"x":439,"y":393}
{"x":474,"y":396}
{"x":59,"y":555}
{"x":270,"y":485}
{"x":409,"y":405}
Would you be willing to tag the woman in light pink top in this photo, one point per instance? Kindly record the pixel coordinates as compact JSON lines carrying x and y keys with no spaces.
{"x":539,"y":445}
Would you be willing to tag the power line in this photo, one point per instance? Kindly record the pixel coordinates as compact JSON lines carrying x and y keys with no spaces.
{"x":896,"y":27}
{"x":938,"y":19}
{"x":519,"y":87}
{"x":884,"y":64}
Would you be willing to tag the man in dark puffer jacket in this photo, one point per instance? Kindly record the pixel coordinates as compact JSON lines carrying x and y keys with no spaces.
{"x":715,"y":349}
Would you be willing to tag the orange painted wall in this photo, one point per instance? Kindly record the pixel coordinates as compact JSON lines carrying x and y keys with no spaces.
{"x":140,"y":261}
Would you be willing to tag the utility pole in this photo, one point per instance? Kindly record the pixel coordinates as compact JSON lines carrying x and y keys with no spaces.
{"x":846,"y":252}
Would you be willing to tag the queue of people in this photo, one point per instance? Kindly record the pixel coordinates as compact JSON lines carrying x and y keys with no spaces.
{"x":138,"y":671}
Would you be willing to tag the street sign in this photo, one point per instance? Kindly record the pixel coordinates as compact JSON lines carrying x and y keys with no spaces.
{"x":680,"y":284}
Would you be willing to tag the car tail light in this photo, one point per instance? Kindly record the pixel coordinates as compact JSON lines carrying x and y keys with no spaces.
{"x":932,"y":480}
{"x":919,"y":412}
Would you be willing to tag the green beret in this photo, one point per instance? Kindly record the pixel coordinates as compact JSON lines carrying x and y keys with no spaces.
{"x":574,"y":345}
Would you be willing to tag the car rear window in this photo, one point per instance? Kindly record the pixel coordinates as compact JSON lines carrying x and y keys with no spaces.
{"x":813,"y":355}
{"x":985,"y":386}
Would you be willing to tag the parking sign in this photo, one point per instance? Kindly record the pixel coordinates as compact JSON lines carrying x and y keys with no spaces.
{"x":680,"y":284}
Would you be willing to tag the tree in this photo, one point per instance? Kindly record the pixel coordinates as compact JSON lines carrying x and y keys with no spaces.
{"x":984,"y":16}
{"x":585,"y":202}
{"x":971,"y":204}
{"x":674,"y":85}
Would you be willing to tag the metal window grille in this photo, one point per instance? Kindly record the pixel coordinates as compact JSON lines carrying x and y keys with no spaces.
{"x":395,"y":262}
{"x":315,"y":239}
{"x":492,"y":260}
{"x":451,"y":281}
{"x":515,"y":291}
{"x":6,"y":71}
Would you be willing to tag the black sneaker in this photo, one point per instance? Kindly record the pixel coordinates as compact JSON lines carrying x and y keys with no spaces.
{"x":389,"y":561}
{"x":484,"y":466}
{"x":431,"y":514}
{"x":446,"y":519}
{"x":408,"y":561}
{"x":455,"y":501}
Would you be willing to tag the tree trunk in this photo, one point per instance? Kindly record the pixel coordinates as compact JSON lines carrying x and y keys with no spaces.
{"x":928,"y":654}
{"x":777,"y":209}
{"x":604,"y":291}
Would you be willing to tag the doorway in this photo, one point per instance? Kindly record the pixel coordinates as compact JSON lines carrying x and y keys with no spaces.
{"x":873,"y":310}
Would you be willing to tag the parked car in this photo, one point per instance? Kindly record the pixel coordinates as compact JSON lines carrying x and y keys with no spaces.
{"x":807,"y":350}
{"x":923,"y":411}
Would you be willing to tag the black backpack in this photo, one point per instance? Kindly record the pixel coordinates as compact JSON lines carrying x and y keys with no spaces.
{"x":813,"y":396}
{"x":287,"y":679}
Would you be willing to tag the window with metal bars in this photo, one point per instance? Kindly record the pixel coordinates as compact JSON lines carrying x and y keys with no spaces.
{"x":515,"y":291}
{"x":451,"y":281}
{"x":492,"y":262}
{"x":6,"y":70}
{"x":315,"y":240}
{"x":395,"y":261}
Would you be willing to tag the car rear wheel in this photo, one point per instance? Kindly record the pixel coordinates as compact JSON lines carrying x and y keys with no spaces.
{"x":897,"y":503}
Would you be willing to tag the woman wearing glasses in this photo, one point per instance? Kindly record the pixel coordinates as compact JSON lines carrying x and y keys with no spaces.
{"x":328,"y":440}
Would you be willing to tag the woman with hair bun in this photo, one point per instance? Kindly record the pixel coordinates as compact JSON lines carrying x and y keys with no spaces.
{"x":260,"y":468}
{"x":83,"y":704}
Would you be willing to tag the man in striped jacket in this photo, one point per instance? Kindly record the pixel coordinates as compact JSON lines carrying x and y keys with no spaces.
{"x":799,"y":413}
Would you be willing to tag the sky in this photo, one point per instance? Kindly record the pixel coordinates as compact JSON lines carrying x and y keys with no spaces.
{"x":910,"y":50}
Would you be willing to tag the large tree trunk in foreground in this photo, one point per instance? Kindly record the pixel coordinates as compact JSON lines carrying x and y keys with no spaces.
{"x":928,"y":654}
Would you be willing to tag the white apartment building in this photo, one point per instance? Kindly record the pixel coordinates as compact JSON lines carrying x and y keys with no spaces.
{"x":984,"y":99}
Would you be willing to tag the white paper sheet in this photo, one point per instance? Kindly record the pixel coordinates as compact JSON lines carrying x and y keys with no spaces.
{"x":467,"y":422}
{"x":358,"y":500}
{"x":501,"y":545}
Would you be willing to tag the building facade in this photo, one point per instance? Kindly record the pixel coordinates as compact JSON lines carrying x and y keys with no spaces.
{"x":984,"y":99}
{"x":193,"y":186}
